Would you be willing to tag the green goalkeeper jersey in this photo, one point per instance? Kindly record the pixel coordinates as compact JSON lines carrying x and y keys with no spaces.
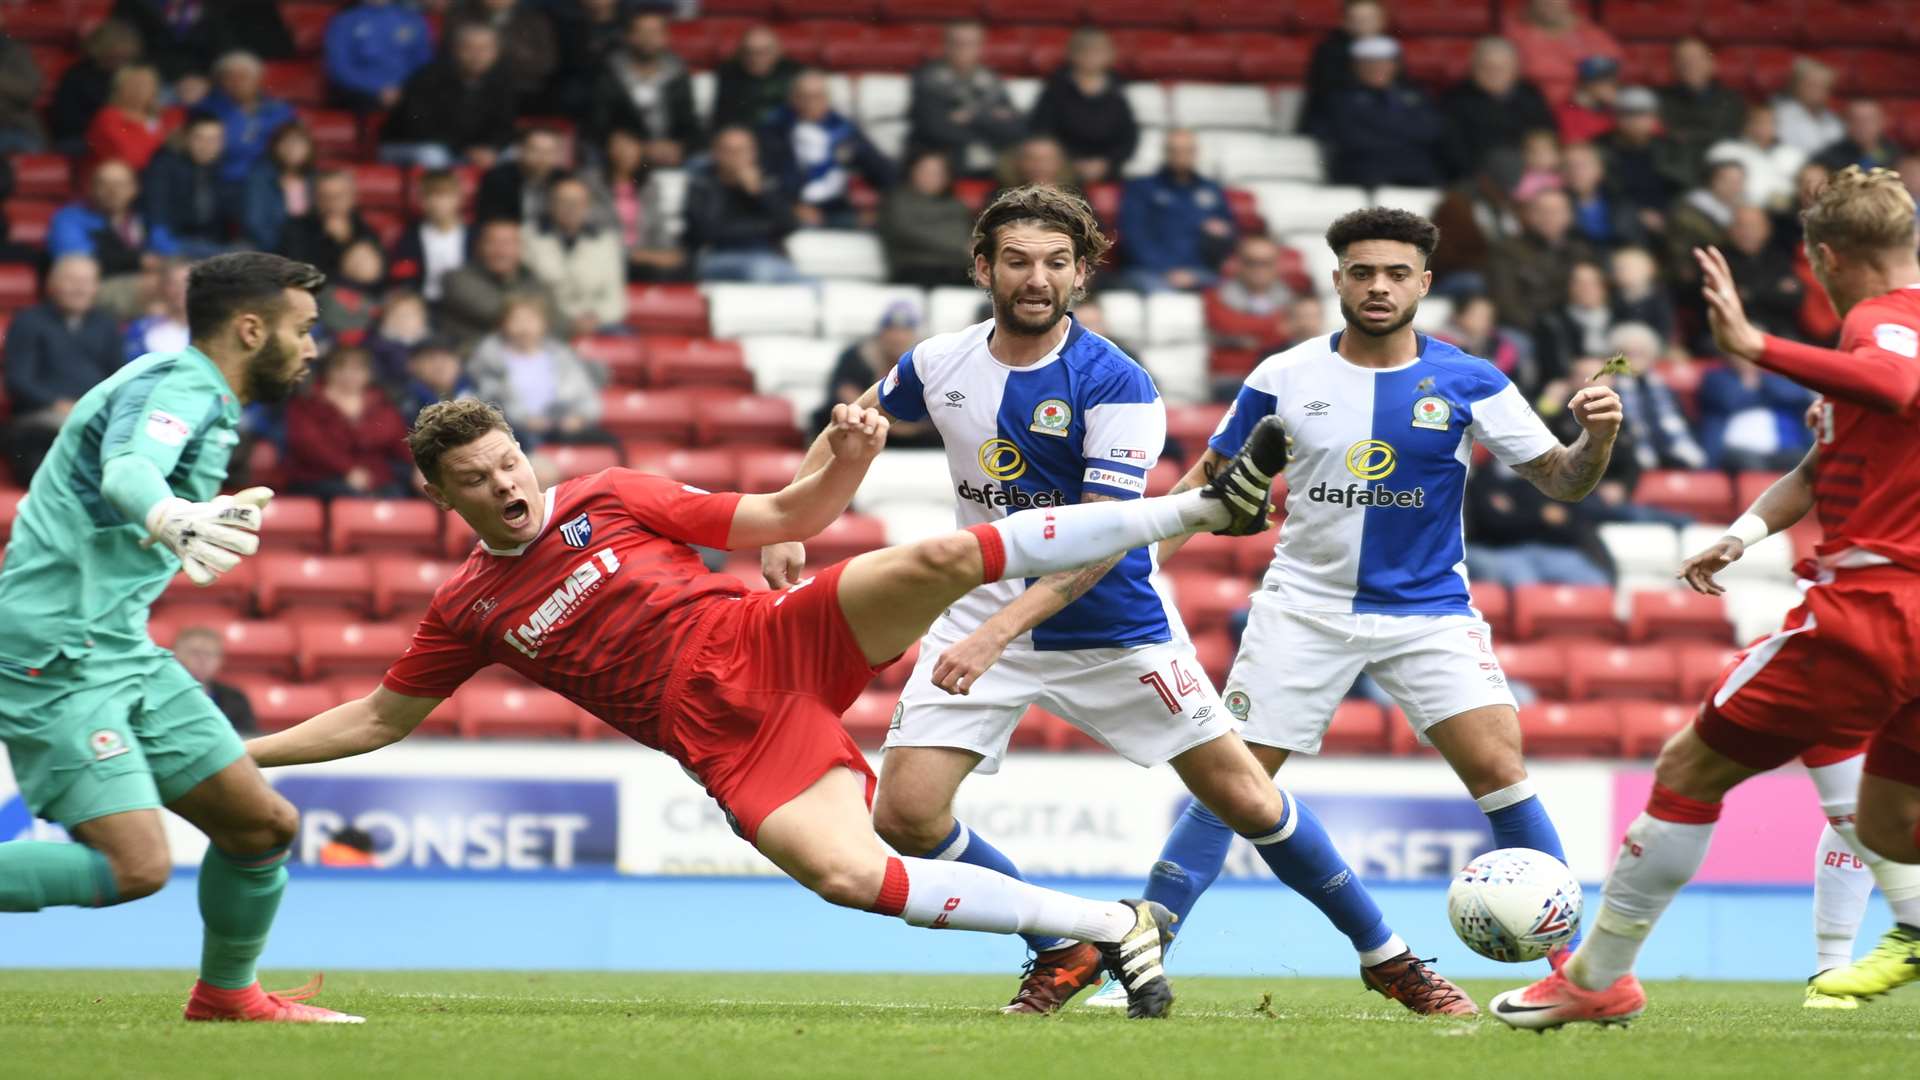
{"x":76,"y":579}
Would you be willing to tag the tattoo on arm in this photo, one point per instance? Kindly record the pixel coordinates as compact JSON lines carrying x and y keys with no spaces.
{"x":1568,"y":473}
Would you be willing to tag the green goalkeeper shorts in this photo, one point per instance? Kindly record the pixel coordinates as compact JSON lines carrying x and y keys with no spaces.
{"x":107,"y":734}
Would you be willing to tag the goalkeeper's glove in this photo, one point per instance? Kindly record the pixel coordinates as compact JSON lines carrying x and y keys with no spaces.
{"x":209,"y":537}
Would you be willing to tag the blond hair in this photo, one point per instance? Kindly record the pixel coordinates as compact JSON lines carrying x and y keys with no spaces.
{"x":1861,"y":212}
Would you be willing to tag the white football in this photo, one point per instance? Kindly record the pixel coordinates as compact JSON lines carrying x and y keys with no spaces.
{"x":1514,"y":904}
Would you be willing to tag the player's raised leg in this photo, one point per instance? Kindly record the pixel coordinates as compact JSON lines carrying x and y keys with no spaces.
{"x":823,"y":839}
{"x":1888,"y":840}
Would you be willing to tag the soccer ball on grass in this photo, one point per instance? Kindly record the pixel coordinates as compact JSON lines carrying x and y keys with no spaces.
{"x":1514,"y":904}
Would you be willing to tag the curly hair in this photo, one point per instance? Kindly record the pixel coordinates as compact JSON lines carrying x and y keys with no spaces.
{"x":449,"y":425}
{"x":1861,"y":212}
{"x":1056,"y":209}
{"x":1383,"y":223}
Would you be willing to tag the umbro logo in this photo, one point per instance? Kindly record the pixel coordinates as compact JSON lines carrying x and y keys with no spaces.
{"x":1317,"y":407}
{"x":954,"y":398}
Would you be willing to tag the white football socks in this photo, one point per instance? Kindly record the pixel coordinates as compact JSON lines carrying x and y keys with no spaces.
{"x":1841,"y":886}
{"x":1051,"y":539}
{"x":1839,"y":788}
{"x":1656,"y":859}
{"x":959,"y":896}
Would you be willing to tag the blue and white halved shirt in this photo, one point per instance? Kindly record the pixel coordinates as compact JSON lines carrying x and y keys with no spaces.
{"x":1379,"y":471}
{"x":1083,"y":420}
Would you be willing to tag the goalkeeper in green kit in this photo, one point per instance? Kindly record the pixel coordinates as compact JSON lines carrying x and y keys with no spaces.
{"x":103,"y":727}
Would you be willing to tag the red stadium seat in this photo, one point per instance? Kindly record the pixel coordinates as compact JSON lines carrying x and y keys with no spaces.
{"x":894,"y":675}
{"x":1192,"y":425}
{"x":654,"y":415}
{"x":1683,"y":378}
{"x":380,"y":187}
{"x":403,"y":585}
{"x":1042,"y":730}
{"x":1104,"y":197}
{"x":1645,"y":726}
{"x":1134,"y":13}
{"x":666,"y":309}
{"x":579,"y":460}
{"x":1156,"y":54}
{"x":1701,"y":667}
{"x":336,"y":134}
{"x":930,"y":10}
{"x":329,"y":648}
{"x":1540,"y":665}
{"x":9,"y":509}
{"x":1555,"y":729}
{"x":458,"y":541}
{"x":294,"y":523}
{"x":332,"y":581}
{"x":360,"y":525}
{"x":170,"y":617}
{"x":492,"y":709}
{"x":752,"y":419}
{"x":1318,"y":14}
{"x":1751,"y":20}
{"x":1209,"y":552}
{"x":1439,"y":61}
{"x":1654,"y":614}
{"x":302,"y":82}
{"x":714,"y":470}
{"x":233,"y":590}
{"x":1270,"y":59}
{"x":386,"y":224}
{"x":1748,"y":486}
{"x":263,"y":464}
{"x":1241,"y":15}
{"x":1252,"y":559}
{"x":849,"y":535}
{"x":880,"y":48}
{"x":766,"y":470}
{"x":279,"y":705}
{"x":42,"y":176}
{"x":1705,"y":495}
{"x":1359,"y":727}
{"x":1402,"y":741}
{"x":1648,"y":63}
{"x":1245,"y":208}
{"x":1210,"y":601}
{"x":867,"y":719}
{"x":257,"y":645}
{"x":1623,"y":671}
{"x":682,"y":361}
{"x":1420,"y":18}
{"x":1648,"y":20}
{"x":307,"y":23}
{"x":1853,"y":22}
{"x":973,"y":192}
{"x":1564,"y":611}
{"x":1165,"y":473}
{"x":1216,"y":651}
{"x":625,"y":358}
{"x":49,"y":22}
{"x":1882,"y":71}
{"x":1495,"y":605}
{"x":1056,"y":12}
{"x":17,"y":287}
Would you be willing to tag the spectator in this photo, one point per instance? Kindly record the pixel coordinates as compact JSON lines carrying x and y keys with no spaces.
{"x":202,"y":652}
{"x":55,"y":351}
{"x":632,"y":207}
{"x":279,"y":188}
{"x":1770,"y":163}
{"x":473,"y":298}
{"x":1553,"y":37}
{"x":1657,"y":428}
{"x":1803,"y":113}
{"x":185,"y":194}
{"x":1528,"y":273}
{"x":1475,"y":328}
{"x":738,"y":218}
{"x":1752,"y":419}
{"x":928,"y":232}
{"x":1701,"y":218}
{"x":1577,"y":327}
{"x":250,"y":116}
{"x":83,"y":88}
{"x":164,"y":327}
{"x":1177,"y":223}
{"x":547,"y":391}
{"x":458,"y":107}
{"x":1865,"y":143}
{"x":1612,"y":498}
{"x":867,"y":361}
{"x":1637,"y":292}
{"x":1518,"y":536}
{"x":436,"y":244}
{"x":182,"y":38}
{"x":580,"y":261}
{"x":1247,"y":312}
{"x":959,"y":107}
{"x":403,"y":328}
{"x":588,"y":31}
{"x":1646,"y":166}
{"x":528,"y":49}
{"x":754,"y":81}
{"x":644,"y":87}
{"x":1909,"y":169}
{"x":1542,"y":168}
{"x":814,"y":152}
{"x":1601,"y":216}
{"x":516,"y":190}
{"x":1818,"y":319}
{"x":1330,"y":68}
{"x":433,"y":373}
{"x":344,"y":438}
{"x":321,"y":235}
{"x":372,"y":49}
{"x":1379,"y":130}
{"x":1037,"y":160}
{"x":1085,"y":108}
{"x":1763,"y":273}
{"x":132,"y":125}
{"x":1306,"y":318}
{"x":1489,"y":112}
{"x":20,"y":80}
{"x":107,"y":228}
{"x":1589,"y":112}
{"x":1698,"y":109}
{"x":350,"y":301}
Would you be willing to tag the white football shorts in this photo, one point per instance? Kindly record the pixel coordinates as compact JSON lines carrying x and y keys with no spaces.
{"x":1295,"y":666}
{"x":1149,"y":704}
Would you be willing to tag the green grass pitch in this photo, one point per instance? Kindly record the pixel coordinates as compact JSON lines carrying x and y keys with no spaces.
{"x":57,"y":1024}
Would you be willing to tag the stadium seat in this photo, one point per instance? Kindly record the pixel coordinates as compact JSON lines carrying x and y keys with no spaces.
{"x":577,"y":460}
{"x":334,"y":581}
{"x":10,"y":499}
{"x":1422,"y":18}
{"x":18,"y":289}
{"x":867,"y":719}
{"x":380,"y":187}
{"x":1656,"y":614}
{"x":1293,"y":206}
{"x":307,"y":25}
{"x":737,"y":309}
{"x":1565,"y":611}
{"x":362,"y":525}
{"x":625,"y":358}
{"x":1051,"y":12}
{"x":755,"y":419}
{"x":1126,"y":313}
{"x":1557,"y":729}
{"x":1642,"y":550}
{"x":1210,"y":601}
{"x":667,"y":309}
{"x":1211,"y":553}
{"x":1359,"y":727}
{"x":294,"y":523}
{"x":1244,"y":157}
{"x":1623,"y":671}
{"x":1748,"y":486}
{"x":233,"y":589}
{"x":302,"y":82}
{"x":261,"y":646}
{"x":894,"y":675}
{"x":1190,"y":426}
{"x":765,"y":469}
{"x":713,"y":470}
{"x":28,"y":220}
{"x":1495,"y":605}
{"x":1215,"y":650}
{"x":403,"y":585}
{"x":1769,"y":562}
{"x":910,"y":522}
{"x":1759,"y":609}
{"x":328,"y":648}
{"x":169,"y":617}
{"x":1401,"y":739}
{"x":796,"y":368}
{"x":1439,"y":61}
{"x":1701,"y":667}
{"x":1262,"y":59}
{"x":1540,"y":665}
{"x":955,"y":307}
{"x":849,"y":535}
{"x":852,"y":309}
{"x":1157,"y":54}
{"x":1645,"y":726}
{"x":882,"y":96}
{"x":491,"y":709}
{"x":336,"y":133}
{"x":1417,"y":199}
{"x":1704,"y":495}
{"x":1204,"y":105}
{"x":1176,"y":318}
{"x":1726,"y":21}
{"x":654,"y":415}
{"x":677,"y":361}
{"x":847,"y":254}
{"x":1650,"y":20}
{"x":904,"y":475}
{"x":278,"y":705}
{"x":1180,"y":371}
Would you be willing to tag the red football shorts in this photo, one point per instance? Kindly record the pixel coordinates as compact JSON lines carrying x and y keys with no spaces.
{"x":753,"y":709}
{"x":1843,"y":670}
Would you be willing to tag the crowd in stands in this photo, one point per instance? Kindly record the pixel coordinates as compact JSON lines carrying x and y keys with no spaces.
{"x":556,"y":154}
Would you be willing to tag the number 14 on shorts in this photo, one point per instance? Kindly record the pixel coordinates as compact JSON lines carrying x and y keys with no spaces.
{"x":1182,"y":685}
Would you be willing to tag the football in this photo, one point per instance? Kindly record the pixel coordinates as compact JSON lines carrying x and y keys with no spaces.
{"x":1514,"y":904}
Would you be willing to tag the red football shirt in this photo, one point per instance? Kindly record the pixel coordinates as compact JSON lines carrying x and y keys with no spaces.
{"x":595,"y":608}
{"x":1866,"y":485}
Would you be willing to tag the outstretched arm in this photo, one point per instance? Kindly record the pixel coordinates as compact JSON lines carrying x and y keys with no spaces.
{"x":1785,"y":502}
{"x":379,"y":719}
{"x":1569,"y":473}
{"x":781,"y":563}
{"x":813,"y":501}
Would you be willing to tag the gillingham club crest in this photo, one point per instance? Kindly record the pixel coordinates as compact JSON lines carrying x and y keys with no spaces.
{"x":1051,"y":417}
{"x":578,"y":532}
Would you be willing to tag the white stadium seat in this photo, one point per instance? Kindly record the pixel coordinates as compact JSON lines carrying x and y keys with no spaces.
{"x":1288,"y":103}
{"x":1126,"y":314}
{"x":1649,"y":550}
{"x":848,"y":254}
{"x":781,"y":362}
{"x":840,"y":93}
{"x":1300,"y":208}
{"x":706,"y":87}
{"x":1150,"y":106}
{"x":1175,"y":318}
{"x":889,"y":137}
{"x":954,"y":307}
{"x":1234,"y":157}
{"x":1419,"y":200}
{"x":670,"y":198}
{"x":1023,"y":92}
{"x":917,"y":520}
{"x":908,"y":476}
{"x":735,"y":309}
{"x":1180,"y":371}
{"x":1221,"y":105}
{"x":1757,"y":608}
{"x":1318,"y":261}
{"x":1148,"y":155}
{"x":1770,"y":560}
{"x":1432,"y":315}
{"x":852,"y":309}
{"x":881,"y":96}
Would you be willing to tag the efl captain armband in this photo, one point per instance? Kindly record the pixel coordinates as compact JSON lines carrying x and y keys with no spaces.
{"x":1618,"y":365}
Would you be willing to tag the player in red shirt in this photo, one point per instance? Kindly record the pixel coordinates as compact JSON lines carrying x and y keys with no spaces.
{"x":590,"y":589}
{"x":1845,"y":668}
